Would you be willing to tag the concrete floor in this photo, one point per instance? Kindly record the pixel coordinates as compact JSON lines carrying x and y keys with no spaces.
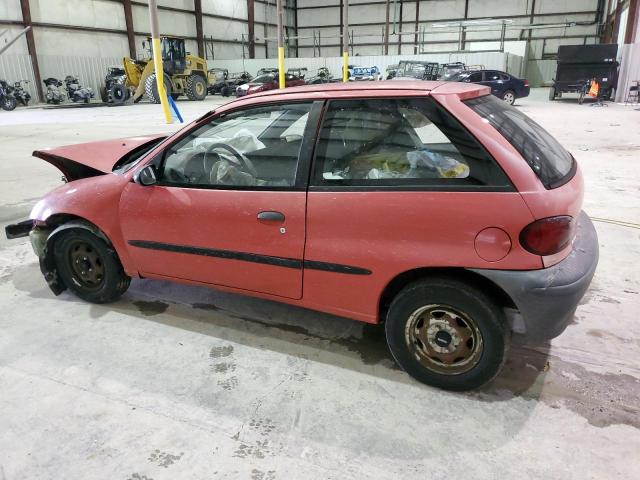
{"x":175,"y":382}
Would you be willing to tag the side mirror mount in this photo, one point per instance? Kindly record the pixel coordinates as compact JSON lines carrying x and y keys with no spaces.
{"x":146,"y":176}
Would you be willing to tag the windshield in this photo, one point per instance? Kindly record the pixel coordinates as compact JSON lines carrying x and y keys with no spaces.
{"x":132,"y":158}
{"x":544,"y":154}
{"x":263,"y":79}
{"x":412,"y":70}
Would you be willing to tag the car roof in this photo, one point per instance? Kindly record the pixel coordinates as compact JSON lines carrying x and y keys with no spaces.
{"x":324,"y":91}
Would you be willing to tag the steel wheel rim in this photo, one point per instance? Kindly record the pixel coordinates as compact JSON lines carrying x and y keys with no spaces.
{"x":443,"y":339}
{"x":508,"y":97}
{"x":199,"y":88}
{"x":86,"y":265}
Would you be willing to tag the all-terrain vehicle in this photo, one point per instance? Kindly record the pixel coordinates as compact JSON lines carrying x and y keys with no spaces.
{"x":114,"y":90}
{"x":218,"y":78}
{"x":233,"y":81}
{"x":184,"y":74}
{"x":76,"y":92}
{"x":417,"y":70}
{"x":322,"y":75}
{"x":54,"y":94}
{"x":7,"y":101}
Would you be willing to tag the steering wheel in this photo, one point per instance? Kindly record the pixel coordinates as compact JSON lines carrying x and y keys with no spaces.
{"x":244,"y":163}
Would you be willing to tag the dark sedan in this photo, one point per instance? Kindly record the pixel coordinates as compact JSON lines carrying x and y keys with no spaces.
{"x":503,"y":85}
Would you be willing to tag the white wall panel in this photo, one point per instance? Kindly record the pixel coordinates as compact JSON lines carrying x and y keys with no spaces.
{"x":86,"y":13}
{"x":10,"y":10}
{"x":49,"y":41}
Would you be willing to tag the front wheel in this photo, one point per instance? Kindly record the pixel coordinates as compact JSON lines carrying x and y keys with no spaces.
{"x":89,"y":267}
{"x":8,"y":103}
{"x":509,"y":96}
{"x":447,"y":334}
{"x":196,"y":87}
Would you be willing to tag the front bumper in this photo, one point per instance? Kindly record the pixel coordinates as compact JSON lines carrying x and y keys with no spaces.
{"x":547,"y":299}
{"x":18,"y":230}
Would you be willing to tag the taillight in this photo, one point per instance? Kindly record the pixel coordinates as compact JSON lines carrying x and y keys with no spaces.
{"x":526,"y":83}
{"x":548,"y":236}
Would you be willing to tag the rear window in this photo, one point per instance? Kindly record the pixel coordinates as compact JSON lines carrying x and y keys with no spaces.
{"x":550,"y":161}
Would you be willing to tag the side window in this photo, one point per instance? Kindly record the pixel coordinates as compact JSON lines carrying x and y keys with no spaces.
{"x":256,"y":147}
{"x":475,"y":77}
{"x":493,"y":76}
{"x":399,"y":142}
{"x":504,"y":77}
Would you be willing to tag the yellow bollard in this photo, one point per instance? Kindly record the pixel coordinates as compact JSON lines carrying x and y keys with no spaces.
{"x":281,"y":67}
{"x":345,"y":67}
{"x":157,"y":63}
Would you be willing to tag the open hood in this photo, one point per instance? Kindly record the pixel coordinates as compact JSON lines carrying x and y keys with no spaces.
{"x":93,"y":158}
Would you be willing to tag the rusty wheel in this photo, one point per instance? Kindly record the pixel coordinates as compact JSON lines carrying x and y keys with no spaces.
{"x":447,"y":333}
{"x":86,"y":265}
{"x":443,"y":339}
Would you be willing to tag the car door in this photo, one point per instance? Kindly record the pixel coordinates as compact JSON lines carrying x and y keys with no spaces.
{"x":493,"y":80}
{"x":229,"y":204}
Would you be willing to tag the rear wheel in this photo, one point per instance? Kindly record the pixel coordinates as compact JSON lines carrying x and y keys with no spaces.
{"x":151,"y":87}
{"x":509,"y":96}
{"x":581,"y":97}
{"x":104,"y":94}
{"x":225,"y":91}
{"x":89,"y":267}
{"x":445,"y":333}
{"x":196,"y":87}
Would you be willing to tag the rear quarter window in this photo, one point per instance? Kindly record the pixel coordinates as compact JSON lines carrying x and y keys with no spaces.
{"x":550,"y":161}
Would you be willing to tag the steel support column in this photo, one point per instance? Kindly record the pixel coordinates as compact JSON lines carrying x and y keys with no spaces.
{"x":251,"y":26}
{"x":400,"y":30}
{"x":31,"y":47}
{"x":128,"y":20}
{"x":415,"y":37}
{"x":197,"y":7}
{"x":632,"y":21}
{"x":386,"y":30}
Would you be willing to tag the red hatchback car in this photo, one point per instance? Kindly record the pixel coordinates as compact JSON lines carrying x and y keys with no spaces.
{"x":267,"y":82}
{"x":431,"y":207}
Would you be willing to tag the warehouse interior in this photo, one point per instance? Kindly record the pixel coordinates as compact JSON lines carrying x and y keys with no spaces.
{"x":179,"y":380}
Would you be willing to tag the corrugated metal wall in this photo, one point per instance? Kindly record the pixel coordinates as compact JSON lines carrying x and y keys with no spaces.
{"x":90,"y":70}
{"x":629,"y":70}
{"x":541,"y":72}
{"x":18,"y":67}
{"x":494,"y":60}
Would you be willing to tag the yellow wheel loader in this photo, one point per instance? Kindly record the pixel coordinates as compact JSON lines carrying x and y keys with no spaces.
{"x":184,"y":74}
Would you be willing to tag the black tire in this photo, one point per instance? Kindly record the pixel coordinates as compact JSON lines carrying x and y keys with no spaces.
{"x":86,"y":99}
{"x":581,"y":97}
{"x":151,"y":87}
{"x":469,"y":311}
{"x":118,"y":93}
{"x":552,"y":93}
{"x":107,"y":284}
{"x":104,"y":94}
{"x":196,"y":87}
{"x":175,"y":96}
{"x":225,"y":91}
{"x":8,"y":103}
{"x":509,"y":96}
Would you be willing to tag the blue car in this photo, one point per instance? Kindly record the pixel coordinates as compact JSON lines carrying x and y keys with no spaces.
{"x":503,"y":85}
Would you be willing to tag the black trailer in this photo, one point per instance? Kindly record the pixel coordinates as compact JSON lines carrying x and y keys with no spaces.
{"x":578,"y":65}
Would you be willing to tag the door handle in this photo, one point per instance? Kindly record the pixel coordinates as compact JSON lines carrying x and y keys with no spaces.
{"x":271,"y":216}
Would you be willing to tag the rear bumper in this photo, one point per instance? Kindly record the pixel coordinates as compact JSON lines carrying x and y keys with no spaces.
{"x":547,"y":299}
